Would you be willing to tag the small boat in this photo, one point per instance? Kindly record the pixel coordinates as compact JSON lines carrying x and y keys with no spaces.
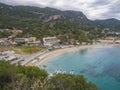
{"x":72,"y":72}
{"x":44,"y":66}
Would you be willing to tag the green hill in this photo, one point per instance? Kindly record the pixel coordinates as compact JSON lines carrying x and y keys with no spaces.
{"x":41,"y":22}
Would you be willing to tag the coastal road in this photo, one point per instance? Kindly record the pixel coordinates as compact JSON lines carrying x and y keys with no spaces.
{"x":28,"y":58}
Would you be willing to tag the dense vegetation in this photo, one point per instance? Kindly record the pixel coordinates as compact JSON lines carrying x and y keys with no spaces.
{"x":41,"y":22}
{"x":4,"y":34}
{"x":70,"y":82}
{"x":32,"y":78}
{"x":66,"y":30}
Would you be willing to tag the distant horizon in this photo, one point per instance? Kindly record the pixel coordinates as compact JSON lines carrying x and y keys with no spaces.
{"x":93,"y":9}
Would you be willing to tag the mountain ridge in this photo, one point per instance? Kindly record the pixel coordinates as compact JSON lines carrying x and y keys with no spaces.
{"x":48,"y":14}
{"x":44,"y":14}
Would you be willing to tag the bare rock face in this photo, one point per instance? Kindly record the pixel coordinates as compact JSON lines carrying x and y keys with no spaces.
{"x":54,"y":17}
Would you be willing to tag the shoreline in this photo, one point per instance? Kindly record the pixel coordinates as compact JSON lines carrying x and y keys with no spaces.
{"x":47,"y":56}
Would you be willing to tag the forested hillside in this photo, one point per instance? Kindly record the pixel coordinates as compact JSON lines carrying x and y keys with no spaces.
{"x":41,"y":22}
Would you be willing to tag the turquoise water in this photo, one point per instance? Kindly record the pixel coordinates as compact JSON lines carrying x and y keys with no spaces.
{"x":100,"y":65}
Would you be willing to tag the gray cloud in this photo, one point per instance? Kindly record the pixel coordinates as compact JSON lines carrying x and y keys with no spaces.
{"x":93,"y":9}
{"x":101,"y":2}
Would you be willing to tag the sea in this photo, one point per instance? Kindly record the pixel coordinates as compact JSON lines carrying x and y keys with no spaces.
{"x":100,"y":64}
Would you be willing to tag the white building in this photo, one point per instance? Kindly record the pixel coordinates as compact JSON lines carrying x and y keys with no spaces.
{"x":4,"y":42}
{"x":117,"y":42}
{"x":106,"y":41}
{"x":21,"y":40}
{"x":50,"y":41}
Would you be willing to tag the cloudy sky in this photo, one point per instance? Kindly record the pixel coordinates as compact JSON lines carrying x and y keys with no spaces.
{"x":93,"y":9}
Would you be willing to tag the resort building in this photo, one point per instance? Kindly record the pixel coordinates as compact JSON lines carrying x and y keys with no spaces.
{"x":50,"y":41}
{"x":34,"y":43}
{"x":117,"y":42}
{"x":106,"y":41}
{"x":4,"y":42}
{"x":20,"y":40}
{"x":7,"y":55}
{"x":72,"y":41}
{"x":32,"y":39}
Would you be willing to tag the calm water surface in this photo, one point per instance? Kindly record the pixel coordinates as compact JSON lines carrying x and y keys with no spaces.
{"x":100,"y":65}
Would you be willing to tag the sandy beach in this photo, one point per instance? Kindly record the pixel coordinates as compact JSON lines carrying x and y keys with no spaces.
{"x":56,"y":52}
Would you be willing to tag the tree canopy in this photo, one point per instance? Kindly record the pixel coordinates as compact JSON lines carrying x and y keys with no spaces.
{"x":14,"y":77}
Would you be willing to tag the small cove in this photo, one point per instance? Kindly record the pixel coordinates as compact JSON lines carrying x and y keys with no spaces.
{"x":100,"y":65}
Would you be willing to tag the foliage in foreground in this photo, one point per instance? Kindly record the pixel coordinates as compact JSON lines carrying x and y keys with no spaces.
{"x":32,"y":78}
{"x":70,"y":82}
